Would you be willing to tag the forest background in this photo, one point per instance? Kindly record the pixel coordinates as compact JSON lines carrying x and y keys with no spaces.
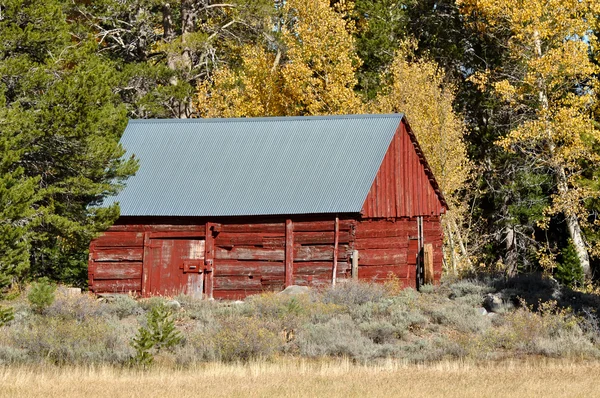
{"x":502,"y":96}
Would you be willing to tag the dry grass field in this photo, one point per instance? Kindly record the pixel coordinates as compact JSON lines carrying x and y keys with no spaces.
{"x":301,"y":378}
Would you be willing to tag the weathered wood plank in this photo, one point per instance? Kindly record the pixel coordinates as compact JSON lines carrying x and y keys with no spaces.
{"x":381,"y":243}
{"x":319,"y":253}
{"x":120,"y":239}
{"x":237,"y":283}
{"x":336,"y":249}
{"x":385,"y":233}
{"x":209,"y":260}
{"x":156,"y":228}
{"x":289,"y":252}
{"x":237,"y":268}
{"x":319,"y":267}
{"x":246,"y":239}
{"x":118,"y":270}
{"x":320,"y":226}
{"x":250,"y":228}
{"x":428,"y":262}
{"x":117,"y":286}
{"x":118,"y":254}
{"x":127,"y":228}
{"x":320,"y":238}
{"x":382,"y":257}
{"x":249,"y":253}
{"x":381,"y":273}
{"x":175,"y":234}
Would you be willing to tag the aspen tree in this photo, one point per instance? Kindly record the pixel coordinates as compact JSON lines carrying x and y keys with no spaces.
{"x":549,"y":81}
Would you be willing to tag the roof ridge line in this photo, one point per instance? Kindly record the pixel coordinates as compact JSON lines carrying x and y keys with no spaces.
{"x":272,"y":118}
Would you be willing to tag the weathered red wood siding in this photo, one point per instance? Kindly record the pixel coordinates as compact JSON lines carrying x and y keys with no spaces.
{"x":402,"y":186}
{"x":390,"y":247}
{"x":248,"y":255}
{"x":115,"y":262}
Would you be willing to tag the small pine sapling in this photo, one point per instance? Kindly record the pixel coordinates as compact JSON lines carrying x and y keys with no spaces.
{"x":41,"y":295}
{"x":569,"y":270}
{"x":159,"y":334}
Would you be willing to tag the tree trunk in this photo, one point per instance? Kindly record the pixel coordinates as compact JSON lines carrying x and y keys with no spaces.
{"x":511,"y":252}
{"x":573,"y":225}
{"x":451,"y":247}
{"x":182,"y":62}
{"x":461,"y":244}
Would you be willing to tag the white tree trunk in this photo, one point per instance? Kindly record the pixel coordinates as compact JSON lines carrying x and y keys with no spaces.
{"x":573,"y":225}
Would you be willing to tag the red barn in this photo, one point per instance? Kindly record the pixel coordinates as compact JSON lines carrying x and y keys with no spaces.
{"x":225,"y":208}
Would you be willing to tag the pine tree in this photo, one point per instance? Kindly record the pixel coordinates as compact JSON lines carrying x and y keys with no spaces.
{"x":61,"y":122}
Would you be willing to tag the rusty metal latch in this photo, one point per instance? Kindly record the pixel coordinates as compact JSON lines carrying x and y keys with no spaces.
{"x":192,"y":266}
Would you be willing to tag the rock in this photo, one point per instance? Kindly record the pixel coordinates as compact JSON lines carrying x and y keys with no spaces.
{"x":493,"y":302}
{"x":482,"y":311}
{"x":68,"y":291}
{"x":173,"y":304}
{"x":73,"y":291}
{"x":238,"y":302}
{"x":295,"y":290}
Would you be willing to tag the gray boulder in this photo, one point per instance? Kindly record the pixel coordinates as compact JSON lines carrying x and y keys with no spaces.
{"x":295,"y":290}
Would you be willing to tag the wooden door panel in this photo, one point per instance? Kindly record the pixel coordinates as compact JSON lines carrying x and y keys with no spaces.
{"x":167,"y":266}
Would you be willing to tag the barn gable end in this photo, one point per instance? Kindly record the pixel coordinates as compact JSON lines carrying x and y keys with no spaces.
{"x":404,"y":185}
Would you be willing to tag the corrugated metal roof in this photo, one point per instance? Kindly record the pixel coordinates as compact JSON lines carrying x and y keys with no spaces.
{"x":253,"y":166}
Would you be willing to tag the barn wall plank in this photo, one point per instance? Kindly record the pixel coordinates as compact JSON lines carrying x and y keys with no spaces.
{"x":118,"y":270}
{"x":117,"y":254}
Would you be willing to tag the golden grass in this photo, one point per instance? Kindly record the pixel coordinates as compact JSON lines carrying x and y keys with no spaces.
{"x":302,"y":378}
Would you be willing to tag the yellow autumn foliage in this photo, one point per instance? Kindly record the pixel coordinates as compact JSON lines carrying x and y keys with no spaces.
{"x":317,"y":76}
{"x":418,"y":89}
{"x":550,"y":82}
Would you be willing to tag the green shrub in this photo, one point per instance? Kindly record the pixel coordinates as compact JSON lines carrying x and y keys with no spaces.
{"x":7,"y":314}
{"x":41,"y":295}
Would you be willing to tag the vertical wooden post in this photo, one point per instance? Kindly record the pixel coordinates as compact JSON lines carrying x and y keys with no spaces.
{"x":289,"y":253}
{"x":354,"y":264}
{"x":428,"y":263}
{"x":91,"y":266}
{"x":209,"y":256}
{"x":420,"y":274}
{"x":336,"y":239}
{"x":146,"y":265}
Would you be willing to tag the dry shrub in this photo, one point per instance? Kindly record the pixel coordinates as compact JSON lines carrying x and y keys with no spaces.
{"x":71,"y":341}
{"x":353,"y":293}
{"x":339,"y":336}
{"x":243,"y":339}
{"x":124,"y":305}
{"x":76,"y":306}
{"x":463,"y":318}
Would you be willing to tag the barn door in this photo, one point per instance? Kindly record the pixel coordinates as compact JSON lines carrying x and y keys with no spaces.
{"x":175,"y":266}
